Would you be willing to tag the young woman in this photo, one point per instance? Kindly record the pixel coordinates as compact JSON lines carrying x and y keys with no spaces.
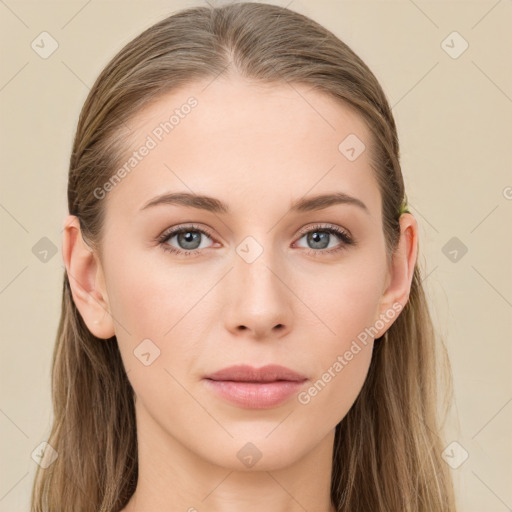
{"x":243,"y":321}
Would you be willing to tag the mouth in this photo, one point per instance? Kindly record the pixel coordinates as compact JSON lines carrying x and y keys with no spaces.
{"x":255,"y":388}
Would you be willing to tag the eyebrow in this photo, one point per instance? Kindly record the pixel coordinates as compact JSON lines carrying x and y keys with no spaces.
{"x":211,"y":204}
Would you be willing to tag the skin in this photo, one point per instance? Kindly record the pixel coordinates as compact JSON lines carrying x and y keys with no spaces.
{"x":257,"y":148}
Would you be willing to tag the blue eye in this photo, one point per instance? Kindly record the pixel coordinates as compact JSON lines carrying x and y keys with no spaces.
{"x":188,"y":236}
{"x":189,"y":240}
{"x":321,"y":236}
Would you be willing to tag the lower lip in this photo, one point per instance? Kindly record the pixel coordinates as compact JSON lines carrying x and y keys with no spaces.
{"x":255,"y":395}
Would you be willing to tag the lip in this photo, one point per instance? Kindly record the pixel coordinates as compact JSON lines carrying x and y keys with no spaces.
{"x":255,"y":388}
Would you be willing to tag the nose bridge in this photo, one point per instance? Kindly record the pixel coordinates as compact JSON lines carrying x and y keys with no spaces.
{"x":257,"y":276}
{"x":259,"y":300}
{"x":255,"y":265}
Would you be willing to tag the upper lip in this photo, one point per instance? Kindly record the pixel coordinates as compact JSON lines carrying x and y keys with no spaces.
{"x":246,"y":373}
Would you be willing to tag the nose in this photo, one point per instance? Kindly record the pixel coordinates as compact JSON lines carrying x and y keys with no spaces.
{"x":259,"y":301}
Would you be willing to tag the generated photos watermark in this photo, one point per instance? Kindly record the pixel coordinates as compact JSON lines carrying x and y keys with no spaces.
{"x":304,"y":397}
{"x":151,"y":142}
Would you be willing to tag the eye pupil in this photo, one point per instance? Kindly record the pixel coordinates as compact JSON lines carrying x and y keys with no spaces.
{"x":189,"y":238}
{"x":319,"y":237}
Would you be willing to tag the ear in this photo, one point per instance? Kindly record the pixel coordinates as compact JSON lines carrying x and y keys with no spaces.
{"x":86,"y":280}
{"x":401,"y":271}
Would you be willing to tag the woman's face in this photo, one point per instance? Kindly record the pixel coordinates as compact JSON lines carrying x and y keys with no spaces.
{"x":260,"y":279}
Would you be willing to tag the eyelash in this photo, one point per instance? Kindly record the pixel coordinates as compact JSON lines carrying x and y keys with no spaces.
{"x":346,"y":239}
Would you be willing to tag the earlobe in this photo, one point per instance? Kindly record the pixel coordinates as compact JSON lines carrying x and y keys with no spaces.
{"x":402,"y":268}
{"x":86,"y":280}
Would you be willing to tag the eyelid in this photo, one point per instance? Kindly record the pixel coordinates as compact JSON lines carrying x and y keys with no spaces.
{"x":324,"y":225}
{"x":174,"y":230}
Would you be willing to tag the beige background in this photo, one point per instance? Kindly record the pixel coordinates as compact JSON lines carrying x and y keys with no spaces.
{"x":454,"y":119}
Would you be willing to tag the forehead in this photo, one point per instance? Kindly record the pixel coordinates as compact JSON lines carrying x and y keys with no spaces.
{"x":246,"y":143}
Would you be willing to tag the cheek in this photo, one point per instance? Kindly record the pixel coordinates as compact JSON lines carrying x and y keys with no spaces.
{"x":148,"y":298}
{"x":343,"y":358}
{"x":346,"y":299}
{"x":150,"y":308}
{"x":156,"y":303}
{"x":331,"y":395}
{"x":136,"y":298}
{"x":347,"y":302}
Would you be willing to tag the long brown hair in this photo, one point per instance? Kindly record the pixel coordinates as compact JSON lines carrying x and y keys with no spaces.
{"x":387,"y":449}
